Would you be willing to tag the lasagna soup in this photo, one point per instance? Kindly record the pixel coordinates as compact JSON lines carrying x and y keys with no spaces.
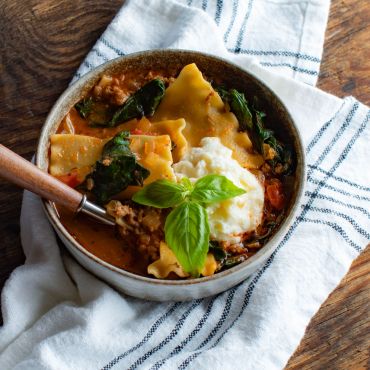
{"x":194,"y":178}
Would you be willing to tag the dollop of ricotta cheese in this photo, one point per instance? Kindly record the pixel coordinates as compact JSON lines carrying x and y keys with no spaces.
{"x":231,"y":218}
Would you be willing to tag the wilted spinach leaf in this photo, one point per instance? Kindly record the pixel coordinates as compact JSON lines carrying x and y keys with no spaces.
{"x":224,"y":259}
{"x":251,"y":120}
{"x":117,"y":169}
{"x":233,"y":261}
{"x":218,"y":252}
{"x":84,"y":107}
{"x":143,"y":102}
{"x":239,"y":106}
{"x":95,"y":112}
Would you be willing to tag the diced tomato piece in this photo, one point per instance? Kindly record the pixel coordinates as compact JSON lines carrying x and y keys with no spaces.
{"x":70,"y":179}
{"x":136,"y":131}
{"x":275,"y":194}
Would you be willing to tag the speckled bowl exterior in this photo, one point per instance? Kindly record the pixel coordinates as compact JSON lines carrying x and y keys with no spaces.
{"x":214,"y":68}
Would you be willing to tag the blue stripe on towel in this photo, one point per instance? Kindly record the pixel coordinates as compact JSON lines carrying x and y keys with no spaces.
{"x":340,"y":191}
{"x":294,"y":68}
{"x":100,"y":54}
{"x":77,"y":76}
{"x":324,"y":127}
{"x":281,"y":53}
{"x":336,"y":201}
{"x":243,"y":28}
{"x":178,"y":348}
{"x":148,"y":335}
{"x":337,"y":228}
{"x":336,"y":137}
{"x":88,"y":65}
{"x":233,"y":15}
{"x":341,"y":179}
{"x":110,"y":46}
{"x":219,"y":6}
{"x":173,"y":333}
{"x":344,"y":216}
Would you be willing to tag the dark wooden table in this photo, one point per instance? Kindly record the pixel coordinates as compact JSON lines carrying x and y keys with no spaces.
{"x":43,"y":42}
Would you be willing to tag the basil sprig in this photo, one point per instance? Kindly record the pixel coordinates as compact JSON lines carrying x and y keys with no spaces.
{"x":186,"y":227}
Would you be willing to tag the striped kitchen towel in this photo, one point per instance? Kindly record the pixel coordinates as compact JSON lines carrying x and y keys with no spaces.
{"x":58,"y":316}
{"x":284,"y":36}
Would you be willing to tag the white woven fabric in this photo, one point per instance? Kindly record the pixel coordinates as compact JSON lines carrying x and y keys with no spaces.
{"x":58,"y":316}
{"x":285,"y":36}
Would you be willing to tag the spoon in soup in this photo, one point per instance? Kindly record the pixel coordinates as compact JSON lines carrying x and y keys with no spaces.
{"x":23,"y":173}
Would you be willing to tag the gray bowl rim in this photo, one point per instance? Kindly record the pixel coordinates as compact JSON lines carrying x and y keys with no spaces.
{"x":251,"y":263}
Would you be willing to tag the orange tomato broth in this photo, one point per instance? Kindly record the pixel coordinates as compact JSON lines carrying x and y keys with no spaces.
{"x":102,"y":241}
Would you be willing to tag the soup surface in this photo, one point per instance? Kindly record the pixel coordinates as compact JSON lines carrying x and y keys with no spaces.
{"x":195,"y":180}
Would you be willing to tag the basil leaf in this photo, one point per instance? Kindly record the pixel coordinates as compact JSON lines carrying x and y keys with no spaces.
{"x":161,"y":194}
{"x":187,"y":234}
{"x":186,"y":183}
{"x":214,"y":188}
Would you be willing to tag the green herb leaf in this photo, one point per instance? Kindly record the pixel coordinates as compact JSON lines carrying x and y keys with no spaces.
{"x":251,"y":120}
{"x":117,"y":169}
{"x":239,"y":107}
{"x":187,"y":235}
{"x":96,"y":113}
{"x":84,"y":106}
{"x":186,"y":183}
{"x":100,"y":114}
{"x":119,"y":145}
{"x":233,"y":261}
{"x":218,"y":252}
{"x":260,"y":135}
{"x":214,"y":188}
{"x":143,"y":102}
{"x":223,"y":92}
{"x":162,"y":194}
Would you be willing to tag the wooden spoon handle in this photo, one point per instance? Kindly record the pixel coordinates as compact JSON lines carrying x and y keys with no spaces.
{"x":20,"y":172}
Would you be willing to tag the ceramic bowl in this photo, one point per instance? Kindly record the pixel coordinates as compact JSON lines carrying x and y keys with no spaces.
{"x":213,"y":68}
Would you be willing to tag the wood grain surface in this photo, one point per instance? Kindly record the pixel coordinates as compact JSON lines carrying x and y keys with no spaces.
{"x":17,"y":170}
{"x":43,"y":42}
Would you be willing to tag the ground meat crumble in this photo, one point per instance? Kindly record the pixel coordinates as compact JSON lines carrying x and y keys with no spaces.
{"x":142,"y":228}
